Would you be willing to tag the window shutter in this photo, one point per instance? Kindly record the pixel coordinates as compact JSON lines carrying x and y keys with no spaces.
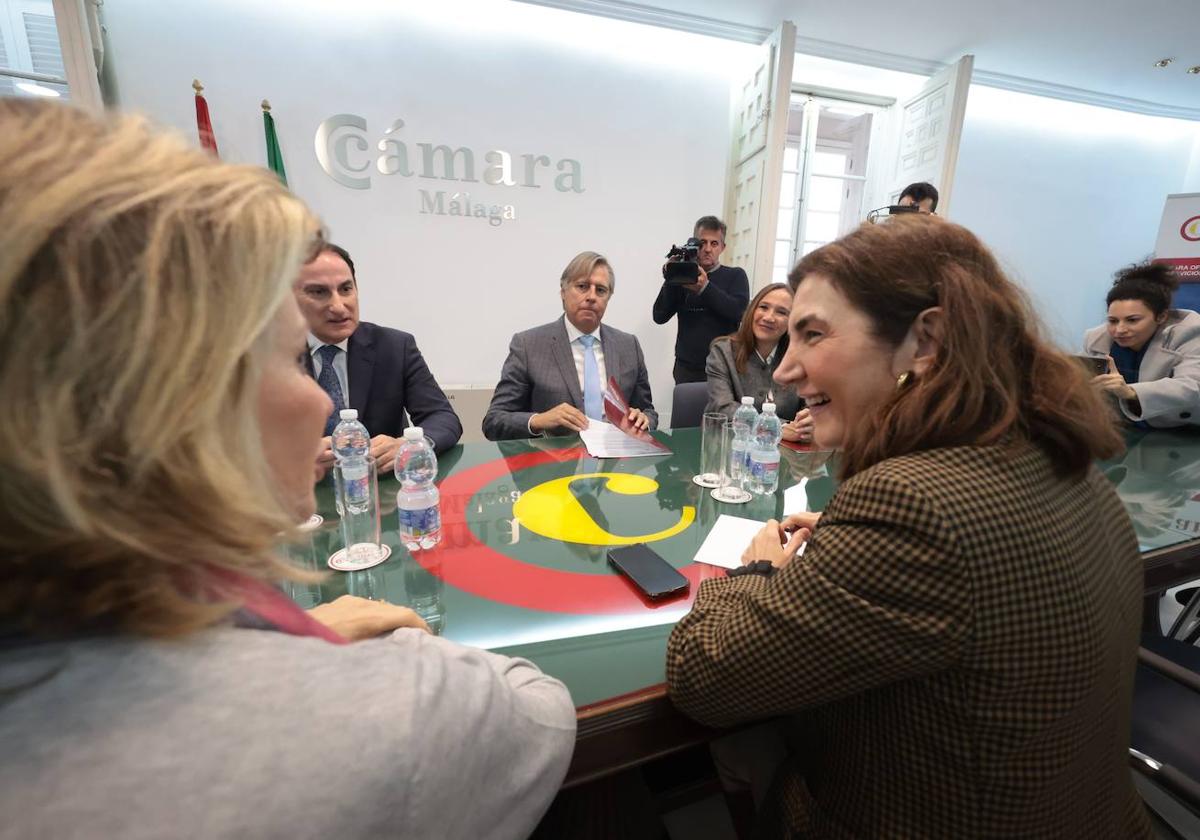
{"x":45,"y":53}
{"x":44,"y":50}
{"x":6,"y":83}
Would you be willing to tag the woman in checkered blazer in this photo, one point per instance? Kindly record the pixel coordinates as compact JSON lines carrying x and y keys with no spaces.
{"x":954,"y":652}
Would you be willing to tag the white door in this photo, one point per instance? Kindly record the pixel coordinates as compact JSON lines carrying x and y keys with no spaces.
{"x":759,"y":133}
{"x":928,"y":128}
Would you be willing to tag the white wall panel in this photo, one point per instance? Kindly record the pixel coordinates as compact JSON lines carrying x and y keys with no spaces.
{"x":1066,"y":194}
{"x":643,"y":110}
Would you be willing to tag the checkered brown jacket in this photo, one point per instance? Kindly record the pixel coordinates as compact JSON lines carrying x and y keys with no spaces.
{"x":958,"y":645}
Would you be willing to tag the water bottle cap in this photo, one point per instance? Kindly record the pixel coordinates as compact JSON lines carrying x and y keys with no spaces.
{"x":768,"y":408}
{"x":747,"y":400}
{"x":414,"y":433}
{"x":348,"y":414}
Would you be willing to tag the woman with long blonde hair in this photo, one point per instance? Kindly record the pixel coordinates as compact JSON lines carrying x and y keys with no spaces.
{"x":157,"y":436}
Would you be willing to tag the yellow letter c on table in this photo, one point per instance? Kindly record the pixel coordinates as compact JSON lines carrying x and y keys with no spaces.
{"x":552,"y":511}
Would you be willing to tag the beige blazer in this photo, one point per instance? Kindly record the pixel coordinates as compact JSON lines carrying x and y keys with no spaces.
{"x":1168,"y":385}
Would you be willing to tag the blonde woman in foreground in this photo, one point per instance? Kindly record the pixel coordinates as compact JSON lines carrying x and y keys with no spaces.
{"x":157,"y":433}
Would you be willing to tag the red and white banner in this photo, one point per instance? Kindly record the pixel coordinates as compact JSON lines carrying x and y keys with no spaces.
{"x":1178,"y":242}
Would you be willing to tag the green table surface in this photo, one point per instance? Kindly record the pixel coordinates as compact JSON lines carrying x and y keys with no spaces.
{"x":494,"y":583}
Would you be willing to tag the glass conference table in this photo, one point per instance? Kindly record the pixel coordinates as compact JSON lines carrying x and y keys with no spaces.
{"x":522,"y":566}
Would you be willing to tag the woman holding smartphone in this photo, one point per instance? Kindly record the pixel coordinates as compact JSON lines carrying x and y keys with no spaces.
{"x":1153,"y":350}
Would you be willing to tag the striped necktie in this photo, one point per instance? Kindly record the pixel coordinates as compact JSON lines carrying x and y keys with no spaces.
{"x":328,"y":380}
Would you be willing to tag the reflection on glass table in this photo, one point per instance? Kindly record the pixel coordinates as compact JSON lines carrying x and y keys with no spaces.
{"x":1158,"y":479}
{"x":522,"y":568}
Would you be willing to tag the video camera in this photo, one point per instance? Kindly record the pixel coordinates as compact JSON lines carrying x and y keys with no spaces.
{"x":683,"y":268}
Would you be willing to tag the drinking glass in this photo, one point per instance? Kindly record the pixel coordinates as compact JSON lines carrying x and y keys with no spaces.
{"x":360,"y":518}
{"x":730,"y":491}
{"x":302,"y":553}
{"x":711,"y":428}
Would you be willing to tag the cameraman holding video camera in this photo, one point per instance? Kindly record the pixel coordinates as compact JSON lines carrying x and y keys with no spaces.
{"x":708,"y":297}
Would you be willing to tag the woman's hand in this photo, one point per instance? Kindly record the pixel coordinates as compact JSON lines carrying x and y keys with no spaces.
{"x":775,"y":545}
{"x":800,"y":429}
{"x":1113,"y":383}
{"x":357,"y":618}
{"x":805,"y":519}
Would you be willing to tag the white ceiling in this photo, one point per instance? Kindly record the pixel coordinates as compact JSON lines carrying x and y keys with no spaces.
{"x":1105,"y":47}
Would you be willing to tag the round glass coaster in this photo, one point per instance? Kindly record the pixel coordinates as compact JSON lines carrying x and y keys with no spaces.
{"x":312,"y":523}
{"x":338,"y":561}
{"x":707,"y":480}
{"x":731,"y":495}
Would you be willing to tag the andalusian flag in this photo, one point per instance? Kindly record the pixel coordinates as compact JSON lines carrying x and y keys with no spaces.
{"x":203,"y":122}
{"x":274,"y":157}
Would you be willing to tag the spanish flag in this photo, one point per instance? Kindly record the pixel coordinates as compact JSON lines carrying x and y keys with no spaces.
{"x":203,"y":122}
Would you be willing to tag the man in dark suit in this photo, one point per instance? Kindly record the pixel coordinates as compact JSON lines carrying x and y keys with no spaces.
{"x":374,"y":369}
{"x":554,"y":377}
{"x":707,"y":309}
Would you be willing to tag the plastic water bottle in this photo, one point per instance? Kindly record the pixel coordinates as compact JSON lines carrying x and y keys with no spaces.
{"x":418,"y":504}
{"x":351,"y":451}
{"x":357,"y":492}
{"x":743,"y":428}
{"x":764,"y":452}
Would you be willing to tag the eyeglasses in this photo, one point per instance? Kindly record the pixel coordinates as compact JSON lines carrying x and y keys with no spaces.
{"x":582,"y":287}
{"x":892,"y":210}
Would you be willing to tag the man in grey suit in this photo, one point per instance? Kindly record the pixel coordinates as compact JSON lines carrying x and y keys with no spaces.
{"x":555,"y":374}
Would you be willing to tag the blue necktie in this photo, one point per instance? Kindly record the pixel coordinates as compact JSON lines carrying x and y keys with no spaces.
{"x":328,"y":380}
{"x":592,"y":406}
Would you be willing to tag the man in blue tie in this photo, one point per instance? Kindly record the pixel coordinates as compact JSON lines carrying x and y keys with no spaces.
{"x":374,"y":369}
{"x":555,"y":374}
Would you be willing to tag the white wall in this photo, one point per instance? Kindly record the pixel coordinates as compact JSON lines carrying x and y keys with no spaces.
{"x":644,"y":110}
{"x":1066,"y":194}
{"x":1192,"y":182}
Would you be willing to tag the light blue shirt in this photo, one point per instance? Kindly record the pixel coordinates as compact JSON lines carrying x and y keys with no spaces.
{"x":573,"y":335}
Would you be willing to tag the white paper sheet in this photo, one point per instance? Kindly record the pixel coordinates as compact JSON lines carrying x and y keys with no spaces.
{"x":729,"y":537}
{"x":795,"y":498}
{"x":604,"y":440}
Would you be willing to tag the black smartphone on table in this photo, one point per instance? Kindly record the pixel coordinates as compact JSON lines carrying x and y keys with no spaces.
{"x":650,"y":573}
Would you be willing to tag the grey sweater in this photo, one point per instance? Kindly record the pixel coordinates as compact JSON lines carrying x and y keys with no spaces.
{"x":256,"y":734}
{"x":726,"y":386}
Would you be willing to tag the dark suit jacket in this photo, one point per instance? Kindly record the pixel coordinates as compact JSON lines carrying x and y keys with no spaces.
{"x":957,"y":646}
{"x":539,"y":373}
{"x":387,"y":377}
{"x":714,"y":312}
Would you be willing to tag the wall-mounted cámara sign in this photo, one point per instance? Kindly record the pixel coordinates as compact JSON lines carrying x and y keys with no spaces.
{"x":348,"y":157}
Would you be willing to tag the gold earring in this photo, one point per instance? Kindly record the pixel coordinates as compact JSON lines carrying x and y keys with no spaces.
{"x":902,"y":379}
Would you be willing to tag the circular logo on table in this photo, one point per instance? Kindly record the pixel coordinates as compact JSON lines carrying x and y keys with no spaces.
{"x":562,"y":510}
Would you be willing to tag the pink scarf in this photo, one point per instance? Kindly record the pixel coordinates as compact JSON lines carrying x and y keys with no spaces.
{"x":269,"y":604}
